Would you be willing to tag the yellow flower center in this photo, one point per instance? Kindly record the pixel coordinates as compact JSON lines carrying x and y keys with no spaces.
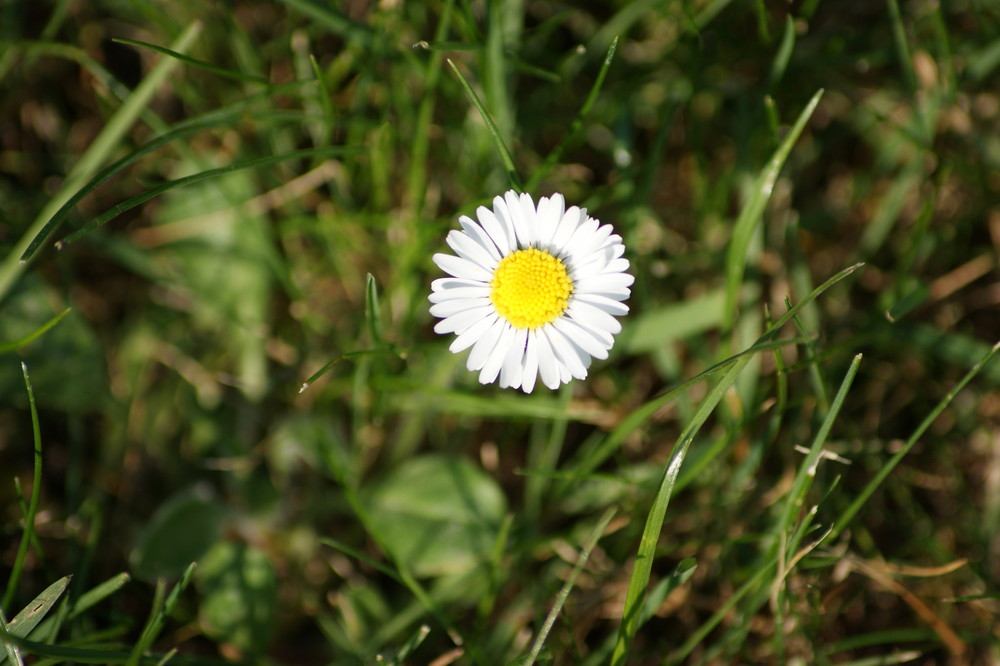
{"x":530,"y":288}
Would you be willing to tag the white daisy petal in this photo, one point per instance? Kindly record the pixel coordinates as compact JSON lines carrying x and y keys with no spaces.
{"x":478,"y":234}
{"x":480,"y":291}
{"x":530,"y":369}
{"x":503,"y":214}
{"x":467,"y":248}
{"x":550,"y":212}
{"x":611,"y":306}
{"x":461,"y":268}
{"x":593,"y":317}
{"x":449,"y":283}
{"x":571,"y":219}
{"x":473,"y":334}
{"x":495,"y":230}
{"x":518,"y":218}
{"x":566,"y":352}
{"x":486,"y":343}
{"x":455,"y":305}
{"x":534,"y":291}
{"x":600,"y":283}
{"x":580,"y":237}
{"x":547,"y":364}
{"x":494,"y":361}
{"x":582,"y":338}
{"x":511,"y":374}
{"x":457,"y":323}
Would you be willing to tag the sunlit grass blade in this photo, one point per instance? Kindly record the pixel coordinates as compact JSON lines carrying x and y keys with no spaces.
{"x":643,"y":566}
{"x":188,"y":60}
{"x":36,"y":493}
{"x":574,"y":129}
{"x":505,"y":155}
{"x":587,"y":461}
{"x":750,"y":216}
{"x":34,"y":335}
{"x":550,"y":619}
{"x":654,"y":521}
{"x":98,"y":151}
{"x":848,"y":514}
{"x":209,"y":174}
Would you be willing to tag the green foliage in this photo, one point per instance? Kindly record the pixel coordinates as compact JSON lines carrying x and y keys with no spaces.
{"x":221,"y":395}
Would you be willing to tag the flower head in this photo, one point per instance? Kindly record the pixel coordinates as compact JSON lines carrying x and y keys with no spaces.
{"x":534,"y":291}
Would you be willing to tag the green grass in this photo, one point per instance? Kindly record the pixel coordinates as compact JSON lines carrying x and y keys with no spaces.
{"x":216,"y":229}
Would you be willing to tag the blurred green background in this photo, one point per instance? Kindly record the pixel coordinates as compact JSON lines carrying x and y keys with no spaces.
{"x":327,"y":149}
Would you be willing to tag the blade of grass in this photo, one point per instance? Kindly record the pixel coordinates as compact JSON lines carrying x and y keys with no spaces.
{"x":99,"y":593}
{"x":563,"y":595}
{"x":416,"y":177}
{"x":188,"y":60}
{"x":783,"y":55}
{"x":98,"y":151}
{"x":848,"y":514}
{"x":34,"y":335}
{"x":588,"y":460}
{"x":796,"y":498}
{"x":654,"y":521}
{"x":753,"y":210}
{"x":25,"y":621}
{"x":712,"y":622}
{"x":158,"y":616}
{"x":132,"y":202}
{"x":505,"y":156}
{"x":642,"y":569}
{"x":373,"y":314}
{"x":36,"y":492}
{"x":574,"y":129}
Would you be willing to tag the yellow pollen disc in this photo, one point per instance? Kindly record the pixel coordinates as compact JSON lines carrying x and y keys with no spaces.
{"x":530,"y":288}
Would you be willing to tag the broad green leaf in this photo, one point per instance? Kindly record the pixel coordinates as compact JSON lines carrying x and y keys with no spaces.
{"x":179,"y":533}
{"x":239,"y":596}
{"x":441,"y":515}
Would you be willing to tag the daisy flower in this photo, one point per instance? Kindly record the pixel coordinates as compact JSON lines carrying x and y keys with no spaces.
{"x":533,"y":291}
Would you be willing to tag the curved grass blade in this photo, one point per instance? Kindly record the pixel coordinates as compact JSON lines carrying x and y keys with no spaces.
{"x":159,"y":614}
{"x":34,"y":335}
{"x":213,"y":119}
{"x":389,"y":349}
{"x":563,"y":595}
{"x":132,"y":202}
{"x":505,"y":156}
{"x":574,"y":129}
{"x":96,"y":154}
{"x":215,"y":69}
{"x":103,"y":176}
{"x":36,"y":492}
{"x":750,"y":215}
{"x":639,"y":580}
{"x":848,"y":514}
{"x":654,"y":520}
